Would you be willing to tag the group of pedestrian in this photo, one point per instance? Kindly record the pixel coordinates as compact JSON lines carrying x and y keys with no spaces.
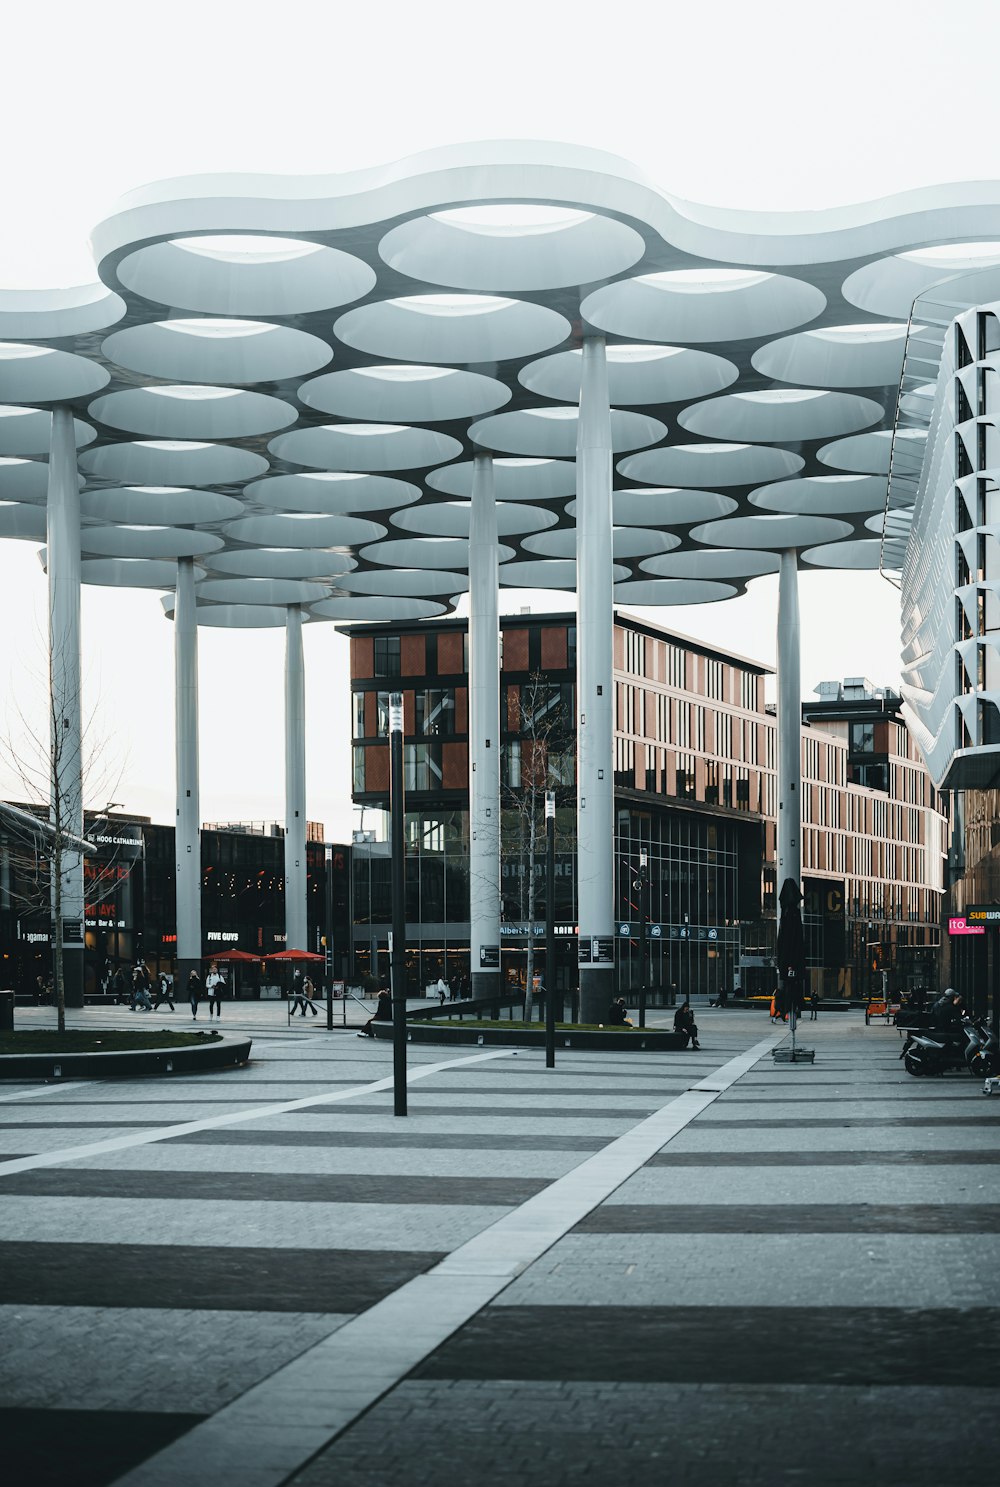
{"x":214,"y":988}
{"x":302,"y":994}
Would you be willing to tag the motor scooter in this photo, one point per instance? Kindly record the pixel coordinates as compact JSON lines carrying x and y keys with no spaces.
{"x":933,"y":1051}
{"x":981,"y":1050}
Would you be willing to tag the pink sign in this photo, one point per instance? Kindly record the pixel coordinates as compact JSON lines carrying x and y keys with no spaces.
{"x":959,"y":927}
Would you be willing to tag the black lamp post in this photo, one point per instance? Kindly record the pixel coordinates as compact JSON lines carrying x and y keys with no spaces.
{"x":640,"y":886}
{"x":397,"y":942}
{"x":550,"y":929}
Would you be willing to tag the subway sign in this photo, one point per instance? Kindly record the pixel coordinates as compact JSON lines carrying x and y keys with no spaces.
{"x":982,"y":914}
{"x":961,"y":926}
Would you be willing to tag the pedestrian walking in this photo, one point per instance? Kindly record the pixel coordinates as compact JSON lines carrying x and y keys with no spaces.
{"x":308,"y":996}
{"x":164,"y":990}
{"x":194,"y":992}
{"x":140,"y":990}
{"x":215,"y":985}
{"x":813,"y":1005}
{"x":441,"y":990}
{"x":298,"y":994}
{"x":119,"y":987}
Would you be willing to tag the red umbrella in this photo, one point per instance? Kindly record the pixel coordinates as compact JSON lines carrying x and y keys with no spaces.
{"x":230,"y":955}
{"x":294,"y":955}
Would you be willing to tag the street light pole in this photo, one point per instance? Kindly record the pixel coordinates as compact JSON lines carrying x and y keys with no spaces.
{"x":397,"y":944}
{"x":641,"y":886}
{"x":550,"y":929}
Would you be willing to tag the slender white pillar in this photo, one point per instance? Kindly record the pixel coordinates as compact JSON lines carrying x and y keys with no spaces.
{"x":789,"y":859}
{"x":296,"y":927}
{"x":187,"y":831}
{"x":484,"y":734}
{"x":66,"y":798}
{"x":595,"y":853}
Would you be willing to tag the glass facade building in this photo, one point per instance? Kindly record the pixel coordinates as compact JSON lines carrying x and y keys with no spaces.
{"x":695,"y":786}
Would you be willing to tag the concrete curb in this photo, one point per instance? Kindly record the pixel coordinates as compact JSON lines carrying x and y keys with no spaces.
{"x":650,"y":1039}
{"x":228,"y":1053}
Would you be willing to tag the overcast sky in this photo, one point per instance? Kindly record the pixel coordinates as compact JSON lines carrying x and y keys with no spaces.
{"x":780,"y":104}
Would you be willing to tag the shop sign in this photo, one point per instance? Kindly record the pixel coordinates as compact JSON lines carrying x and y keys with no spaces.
{"x":489,"y":957}
{"x":982,"y":914}
{"x":962,"y":927}
{"x":603,"y":951}
{"x":224,"y":936}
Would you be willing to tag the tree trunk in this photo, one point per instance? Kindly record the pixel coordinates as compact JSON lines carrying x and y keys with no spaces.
{"x":529,"y":997}
{"x":58,"y":982}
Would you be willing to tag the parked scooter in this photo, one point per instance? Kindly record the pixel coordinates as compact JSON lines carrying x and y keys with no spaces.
{"x":981,"y":1051}
{"x":931,"y":1051}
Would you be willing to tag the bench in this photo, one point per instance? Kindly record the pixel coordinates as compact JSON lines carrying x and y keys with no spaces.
{"x":886,"y":1010}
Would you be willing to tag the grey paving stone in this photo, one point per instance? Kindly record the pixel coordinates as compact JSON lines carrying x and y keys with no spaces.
{"x":773,"y":1270}
{"x":368,"y":1159}
{"x":383,"y":1140}
{"x":813,"y":1185}
{"x":57,"y":1447}
{"x":872,"y":1157}
{"x":273,"y":1187}
{"x":330,"y":1282}
{"x":557,"y":1434}
{"x":281,"y":1225}
{"x":792,"y":1218}
{"x":113,"y":1358}
{"x":861,"y":1346}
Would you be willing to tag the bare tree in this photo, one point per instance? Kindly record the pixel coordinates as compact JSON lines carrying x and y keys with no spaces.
{"x":540,"y":759}
{"x":48,"y":846}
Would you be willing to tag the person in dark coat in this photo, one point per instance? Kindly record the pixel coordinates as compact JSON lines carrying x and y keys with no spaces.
{"x":383,"y":1013}
{"x":947,"y":1012}
{"x":617,"y":1015}
{"x":790,"y":951}
{"x":684,"y":1023}
{"x":194,"y":992}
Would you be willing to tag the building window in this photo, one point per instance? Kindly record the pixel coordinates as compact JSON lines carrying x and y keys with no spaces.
{"x":862,"y":738}
{"x":386,"y":655}
{"x":359,"y":771}
{"x":434,"y":711}
{"x":359,"y":715}
{"x":421,"y":767}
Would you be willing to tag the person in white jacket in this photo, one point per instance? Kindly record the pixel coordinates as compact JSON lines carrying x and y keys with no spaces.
{"x":215,"y":985}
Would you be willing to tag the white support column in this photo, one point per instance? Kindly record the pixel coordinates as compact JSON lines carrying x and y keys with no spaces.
{"x":595,"y":853}
{"x":484,"y":734}
{"x":66,"y":798}
{"x":296,"y":925}
{"x":187,"y":831}
{"x":789,"y":853}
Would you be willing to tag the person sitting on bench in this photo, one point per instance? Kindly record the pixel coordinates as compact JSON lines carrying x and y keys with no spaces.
{"x":618,"y":1014}
{"x":684,"y":1023}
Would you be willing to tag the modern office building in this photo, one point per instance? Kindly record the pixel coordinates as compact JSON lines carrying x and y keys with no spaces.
{"x":695,"y":748}
{"x":130,"y":908}
{"x":942,"y":546}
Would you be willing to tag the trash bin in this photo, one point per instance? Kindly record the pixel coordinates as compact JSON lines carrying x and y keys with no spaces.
{"x":6,"y":1011}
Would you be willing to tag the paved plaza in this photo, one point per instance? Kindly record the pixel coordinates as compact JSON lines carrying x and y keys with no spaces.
{"x":647,"y":1268}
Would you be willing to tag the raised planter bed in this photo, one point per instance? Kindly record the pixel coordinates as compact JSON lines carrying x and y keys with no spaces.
{"x":632,"y":1040}
{"x":214,"y":1053}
